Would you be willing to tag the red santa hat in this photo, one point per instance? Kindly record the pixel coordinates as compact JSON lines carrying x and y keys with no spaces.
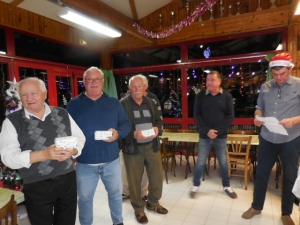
{"x":282,"y":59}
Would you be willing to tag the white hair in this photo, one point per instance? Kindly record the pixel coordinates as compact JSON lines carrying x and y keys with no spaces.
{"x":41,"y":83}
{"x":142,"y":77}
{"x":93,"y":68}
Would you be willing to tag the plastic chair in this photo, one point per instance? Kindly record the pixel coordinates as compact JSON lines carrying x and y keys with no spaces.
{"x":165,"y":156}
{"x":239,"y":160}
{"x":9,"y":211}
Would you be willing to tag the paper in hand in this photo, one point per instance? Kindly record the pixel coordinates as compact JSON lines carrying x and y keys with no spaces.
{"x":272,"y":124}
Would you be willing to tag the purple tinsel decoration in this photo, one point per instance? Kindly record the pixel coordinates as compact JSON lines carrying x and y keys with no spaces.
{"x":200,"y":10}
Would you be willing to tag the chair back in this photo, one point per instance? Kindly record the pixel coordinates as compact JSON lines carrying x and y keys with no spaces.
{"x":163,"y":148}
{"x":236,"y":145}
{"x":186,"y":131}
{"x":9,"y":209}
{"x":244,"y":132}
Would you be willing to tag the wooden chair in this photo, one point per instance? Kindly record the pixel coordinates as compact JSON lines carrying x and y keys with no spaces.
{"x":9,"y":211}
{"x":188,"y":145}
{"x":239,"y":160}
{"x":165,"y":156}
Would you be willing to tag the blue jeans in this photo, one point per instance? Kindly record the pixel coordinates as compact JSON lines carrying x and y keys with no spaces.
{"x":87,"y":180}
{"x":205,"y":146}
{"x":268,"y":154}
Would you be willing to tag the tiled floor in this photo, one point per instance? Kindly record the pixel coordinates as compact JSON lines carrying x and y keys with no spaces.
{"x":210,"y":207}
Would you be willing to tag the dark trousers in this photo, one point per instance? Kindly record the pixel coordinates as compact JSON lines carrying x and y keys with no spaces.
{"x":268,"y":154}
{"x":52,"y":201}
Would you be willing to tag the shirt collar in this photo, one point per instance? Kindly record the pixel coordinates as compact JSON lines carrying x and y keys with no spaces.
{"x":207,"y":91}
{"x":288,"y":81}
{"x":46,"y":113}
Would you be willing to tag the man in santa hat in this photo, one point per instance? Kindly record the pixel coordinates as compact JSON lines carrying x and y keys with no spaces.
{"x":279,"y":98}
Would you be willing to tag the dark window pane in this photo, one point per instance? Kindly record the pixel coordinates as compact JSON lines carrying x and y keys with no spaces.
{"x":64,"y":90}
{"x":2,"y":40}
{"x":166,"y":85}
{"x":33,"y":47}
{"x":241,"y":80}
{"x":260,"y":43}
{"x":32,"y":72}
{"x":3,"y":87}
{"x":146,"y":57}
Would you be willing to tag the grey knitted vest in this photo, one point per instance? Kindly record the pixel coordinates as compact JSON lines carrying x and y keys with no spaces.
{"x":36,"y":135}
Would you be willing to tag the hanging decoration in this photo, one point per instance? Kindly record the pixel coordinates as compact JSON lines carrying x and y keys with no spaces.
{"x":200,"y":10}
{"x":12,"y":99}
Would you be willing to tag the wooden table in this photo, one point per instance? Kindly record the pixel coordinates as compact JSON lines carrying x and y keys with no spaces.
{"x":5,"y":196}
{"x":194,"y":137}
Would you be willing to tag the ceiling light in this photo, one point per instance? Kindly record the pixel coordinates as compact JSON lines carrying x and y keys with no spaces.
{"x":297,"y":12}
{"x":179,"y":61}
{"x":206,"y":71}
{"x":2,"y":53}
{"x":83,"y":20}
{"x":152,"y":75}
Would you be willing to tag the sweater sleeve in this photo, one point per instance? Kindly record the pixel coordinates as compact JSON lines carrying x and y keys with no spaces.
{"x":124,"y":125}
{"x":203,"y":127}
{"x":229,"y":115}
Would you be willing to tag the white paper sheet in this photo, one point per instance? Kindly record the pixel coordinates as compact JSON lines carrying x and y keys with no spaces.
{"x":272,"y":124}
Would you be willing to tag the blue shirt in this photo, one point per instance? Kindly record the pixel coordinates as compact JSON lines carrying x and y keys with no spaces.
{"x":281,"y":104}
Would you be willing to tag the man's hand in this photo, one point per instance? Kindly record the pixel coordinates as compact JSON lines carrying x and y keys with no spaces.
{"x":67,"y":153}
{"x":114,"y":136}
{"x":287,"y":123}
{"x":53,"y":152}
{"x":155,"y":131}
{"x":258,"y":123}
{"x":212,"y":134}
{"x":139,"y":136}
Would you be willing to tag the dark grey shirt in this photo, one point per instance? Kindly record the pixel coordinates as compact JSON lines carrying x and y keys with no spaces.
{"x":280,"y":102}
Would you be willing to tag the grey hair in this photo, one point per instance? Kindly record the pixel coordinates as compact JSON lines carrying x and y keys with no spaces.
{"x":93,"y":68}
{"x":41,"y":83}
{"x":141,"y":76}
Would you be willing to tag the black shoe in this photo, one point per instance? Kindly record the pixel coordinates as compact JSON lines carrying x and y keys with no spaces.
{"x":145,"y":198}
{"x":119,"y":224}
{"x":125,"y":196}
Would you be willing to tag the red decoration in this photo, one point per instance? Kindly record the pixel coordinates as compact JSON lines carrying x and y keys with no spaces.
{"x":200,"y":10}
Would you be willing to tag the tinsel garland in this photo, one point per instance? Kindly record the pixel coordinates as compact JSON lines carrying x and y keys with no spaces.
{"x":200,"y":10}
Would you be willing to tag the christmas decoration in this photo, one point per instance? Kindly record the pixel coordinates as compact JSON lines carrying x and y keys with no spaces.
{"x":12,"y":99}
{"x":200,"y":10}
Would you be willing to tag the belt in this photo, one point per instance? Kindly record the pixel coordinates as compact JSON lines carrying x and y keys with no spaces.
{"x":146,"y":143}
{"x":59,"y":177}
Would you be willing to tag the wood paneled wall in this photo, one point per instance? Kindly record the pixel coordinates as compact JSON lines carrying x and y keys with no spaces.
{"x":24,"y":20}
{"x":151,"y":22}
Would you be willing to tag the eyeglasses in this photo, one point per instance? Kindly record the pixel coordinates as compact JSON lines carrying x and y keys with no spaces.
{"x":89,"y":80}
{"x":279,"y":92}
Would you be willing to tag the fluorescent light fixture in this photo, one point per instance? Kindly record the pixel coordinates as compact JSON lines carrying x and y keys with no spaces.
{"x":298,"y":9}
{"x":206,"y":71}
{"x":279,"y":47}
{"x":179,"y":60}
{"x":83,"y":20}
{"x":152,"y":75}
{"x":2,"y":53}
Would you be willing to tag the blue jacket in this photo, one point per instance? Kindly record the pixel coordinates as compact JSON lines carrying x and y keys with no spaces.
{"x":100,"y":115}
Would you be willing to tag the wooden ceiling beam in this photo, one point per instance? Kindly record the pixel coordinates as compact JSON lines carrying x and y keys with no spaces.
{"x":133,"y":10}
{"x":98,"y":9}
{"x":15,"y":3}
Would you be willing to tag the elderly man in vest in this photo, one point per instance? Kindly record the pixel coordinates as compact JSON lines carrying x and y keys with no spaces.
{"x":141,"y":149}
{"x":27,"y":144}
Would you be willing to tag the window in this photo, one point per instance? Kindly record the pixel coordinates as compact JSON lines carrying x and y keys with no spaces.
{"x":146,"y":57}
{"x":166,"y":85}
{"x":2,"y":41}
{"x":259,"y":43}
{"x":241,"y":80}
{"x":33,"y":47}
